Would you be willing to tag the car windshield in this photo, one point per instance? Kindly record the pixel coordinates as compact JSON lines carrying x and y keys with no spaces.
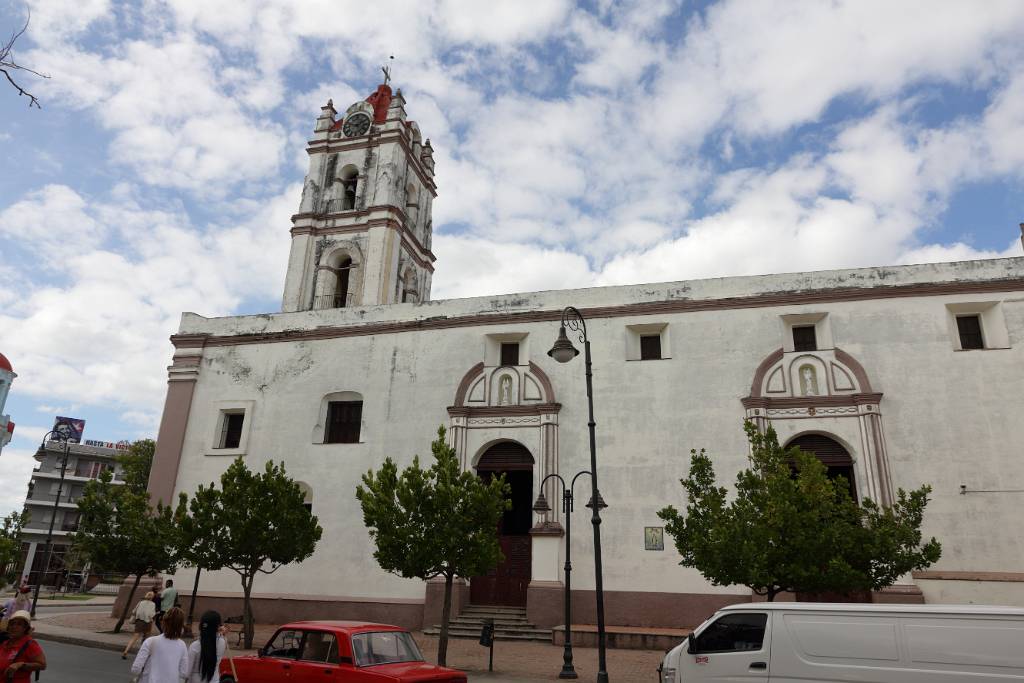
{"x":384,"y":647}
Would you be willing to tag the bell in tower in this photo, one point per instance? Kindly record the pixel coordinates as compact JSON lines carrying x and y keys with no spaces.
{"x":363,"y":231}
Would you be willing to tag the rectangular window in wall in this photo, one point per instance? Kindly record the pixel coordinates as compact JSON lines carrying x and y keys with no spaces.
{"x":231,"y":430}
{"x":343,"y":420}
{"x":804,"y":338}
{"x":650,"y":347}
{"x":969,"y":327}
{"x":510,"y":353}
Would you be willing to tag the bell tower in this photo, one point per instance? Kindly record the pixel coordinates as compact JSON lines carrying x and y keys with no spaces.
{"x":363,"y":231}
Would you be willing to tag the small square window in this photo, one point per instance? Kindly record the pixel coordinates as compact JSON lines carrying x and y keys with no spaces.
{"x":650,"y":347}
{"x":343,"y":421}
{"x":231,"y":430}
{"x":805,"y":338}
{"x":969,"y":327}
{"x":510,"y":353}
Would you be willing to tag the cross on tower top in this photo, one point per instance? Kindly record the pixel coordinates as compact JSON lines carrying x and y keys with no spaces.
{"x":387,"y":71}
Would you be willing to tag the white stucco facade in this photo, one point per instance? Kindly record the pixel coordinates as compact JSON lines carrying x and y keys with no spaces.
{"x":888,"y":381}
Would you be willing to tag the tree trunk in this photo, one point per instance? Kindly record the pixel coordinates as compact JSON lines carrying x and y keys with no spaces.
{"x":772,"y":592}
{"x":446,"y":614}
{"x":248,"y":630}
{"x":192,"y":605}
{"x":127,"y":604}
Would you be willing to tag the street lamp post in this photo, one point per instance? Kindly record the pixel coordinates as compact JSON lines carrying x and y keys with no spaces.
{"x":62,"y":436}
{"x":563,"y":351}
{"x":541,"y":506}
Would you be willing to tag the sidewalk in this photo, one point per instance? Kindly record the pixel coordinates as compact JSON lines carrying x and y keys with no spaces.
{"x":514,"y":661}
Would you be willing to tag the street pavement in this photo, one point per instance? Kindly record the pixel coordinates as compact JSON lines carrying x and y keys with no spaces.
{"x":77,"y":664}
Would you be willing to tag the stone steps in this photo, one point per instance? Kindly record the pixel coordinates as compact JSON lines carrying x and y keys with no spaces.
{"x":510,"y":623}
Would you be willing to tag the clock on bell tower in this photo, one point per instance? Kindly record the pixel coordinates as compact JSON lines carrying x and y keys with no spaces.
{"x":363,"y":231}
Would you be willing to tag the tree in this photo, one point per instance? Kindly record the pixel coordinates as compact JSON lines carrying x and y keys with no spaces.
{"x":8,"y":65}
{"x":119,"y":531}
{"x":136,"y":463}
{"x":791,"y":528}
{"x":199,"y":535}
{"x":262,"y":521}
{"x":442,"y":521}
{"x":10,"y":545}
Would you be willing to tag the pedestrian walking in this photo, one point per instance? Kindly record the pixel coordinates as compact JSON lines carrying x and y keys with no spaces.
{"x":20,"y":654}
{"x":20,"y":602}
{"x":206,"y":651}
{"x":168,"y":599}
{"x":142,"y":620}
{"x":164,"y":658}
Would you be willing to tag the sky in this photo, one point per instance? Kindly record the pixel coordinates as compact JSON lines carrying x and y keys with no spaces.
{"x":595,"y":143}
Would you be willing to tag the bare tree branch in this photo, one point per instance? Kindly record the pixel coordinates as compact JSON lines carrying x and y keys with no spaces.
{"x":7,"y":65}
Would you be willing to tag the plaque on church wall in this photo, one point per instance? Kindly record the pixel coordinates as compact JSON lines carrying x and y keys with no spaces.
{"x":654,"y":538}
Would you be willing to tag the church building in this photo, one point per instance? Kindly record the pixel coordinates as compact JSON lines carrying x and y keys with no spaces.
{"x":895,"y":376}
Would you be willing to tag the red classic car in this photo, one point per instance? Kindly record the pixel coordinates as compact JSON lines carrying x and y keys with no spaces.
{"x":337,"y":651}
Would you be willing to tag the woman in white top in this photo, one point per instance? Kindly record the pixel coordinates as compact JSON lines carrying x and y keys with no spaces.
{"x":164,"y":658}
{"x":142,"y":620}
{"x":206,"y":651}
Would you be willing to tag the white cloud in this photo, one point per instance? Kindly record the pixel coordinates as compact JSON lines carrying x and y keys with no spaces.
{"x":56,"y":20}
{"x":764,"y":67}
{"x":101,"y":339}
{"x":477,"y":267}
{"x":52,"y":220}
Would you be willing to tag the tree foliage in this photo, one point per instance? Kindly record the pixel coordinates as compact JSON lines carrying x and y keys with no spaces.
{"x":10,"y":544}
{"x":200,"y":534}
{"x":119,"y":531}
{"x":136,"y":462}
{"x":436,"y":522}
{"x":263,"y":522}
{"x":791,"y":528}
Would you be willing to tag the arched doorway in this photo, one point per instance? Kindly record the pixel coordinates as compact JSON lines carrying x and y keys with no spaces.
{"x":838,"y":463}
{"x":506,"y":584}
{"x":832,"y":454}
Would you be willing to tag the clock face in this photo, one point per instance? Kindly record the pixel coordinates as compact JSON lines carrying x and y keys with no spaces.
{"x":356,"y":125}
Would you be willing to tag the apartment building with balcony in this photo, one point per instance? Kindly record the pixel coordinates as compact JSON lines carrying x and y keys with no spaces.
{"x":86,"y":461}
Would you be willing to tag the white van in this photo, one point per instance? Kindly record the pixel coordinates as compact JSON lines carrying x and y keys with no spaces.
{"x":824,"y":642}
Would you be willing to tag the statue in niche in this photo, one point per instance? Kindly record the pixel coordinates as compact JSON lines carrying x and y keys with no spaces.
{"x":808,"y":381}
{"x":505,"y":391}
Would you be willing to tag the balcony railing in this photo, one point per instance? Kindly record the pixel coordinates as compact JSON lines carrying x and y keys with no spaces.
{"x":332,"y":301}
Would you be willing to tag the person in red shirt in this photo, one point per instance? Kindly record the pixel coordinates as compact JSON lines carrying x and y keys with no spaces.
{"x":20,"y":654}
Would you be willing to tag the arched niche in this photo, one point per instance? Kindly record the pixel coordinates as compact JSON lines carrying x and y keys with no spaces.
{"x":339,"y":276}
{"x":829,"y":393}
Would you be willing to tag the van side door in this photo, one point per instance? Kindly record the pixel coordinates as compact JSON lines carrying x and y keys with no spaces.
{"x":733,"y":647}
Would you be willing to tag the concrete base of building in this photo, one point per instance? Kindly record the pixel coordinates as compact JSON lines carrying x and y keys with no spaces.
{"x":545,"y":607}
{"x":279,"y":608}
{"x":433,"y":604}
{"x":621,"y":637}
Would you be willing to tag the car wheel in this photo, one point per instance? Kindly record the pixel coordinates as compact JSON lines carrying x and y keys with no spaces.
{"x":227,"y":679}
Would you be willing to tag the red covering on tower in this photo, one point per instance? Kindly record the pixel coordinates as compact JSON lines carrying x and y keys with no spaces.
{"x":380,"y":100}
